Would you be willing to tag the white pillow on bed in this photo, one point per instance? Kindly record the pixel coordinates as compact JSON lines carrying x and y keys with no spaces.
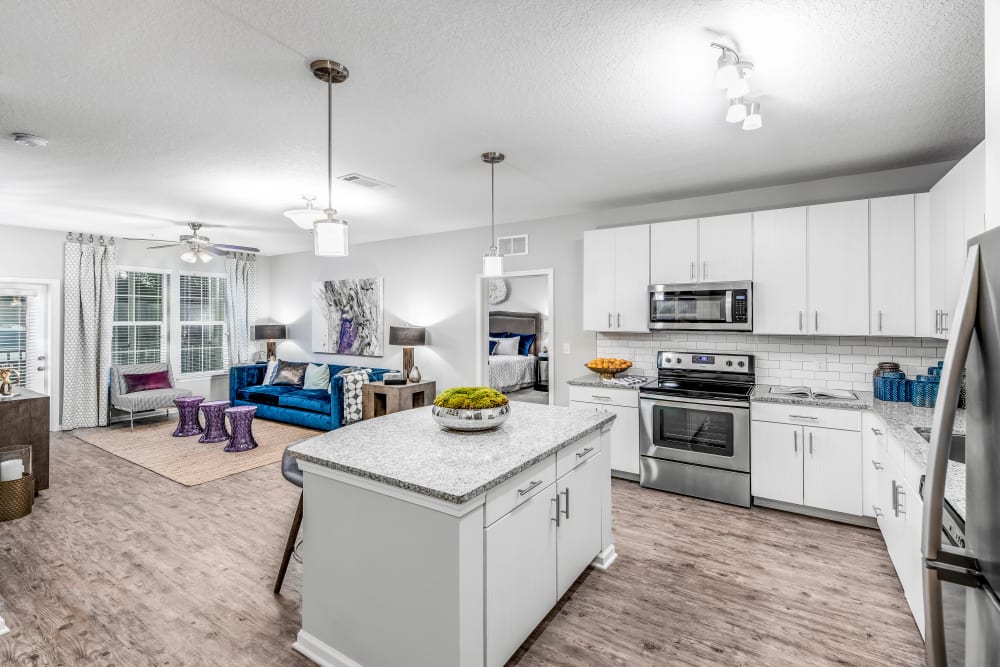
{"x":507,"y":346}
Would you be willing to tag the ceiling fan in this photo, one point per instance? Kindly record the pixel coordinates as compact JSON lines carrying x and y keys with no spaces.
{"x":199,"y":247}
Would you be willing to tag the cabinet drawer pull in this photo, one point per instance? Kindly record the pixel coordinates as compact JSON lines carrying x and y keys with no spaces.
{"x":877,"y":465}
{"x":877,"y":511}
{"x":558,"y":510}
{"x":584,"y":452}
{"x":876,"y":431}
{"x":600,"y":398}
{"x":802,"y":417}
{"x":526,"y":490}
{"x":566,"y":511}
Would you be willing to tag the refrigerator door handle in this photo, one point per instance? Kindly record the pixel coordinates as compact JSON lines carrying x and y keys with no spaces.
{"x":937,"y":460}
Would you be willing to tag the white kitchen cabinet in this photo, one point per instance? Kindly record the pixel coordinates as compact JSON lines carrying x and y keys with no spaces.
{"x":776,"y":461}
{"x":838,"y":263}
{"x":912,"y":508}
{"x":832,"y":470}
{"x":893,"y":294}
{"x":579,"y":526}
{"x":974,"y":191}
{"x":624,"y":431}
{"x":872,"y":434}
{"x":673,"y":252}
{"x":521,"y":587}
{"x":780,"y":271}
{"x":925,"y":319}
{"x":724,"y":248}
{"x":615,"y":279}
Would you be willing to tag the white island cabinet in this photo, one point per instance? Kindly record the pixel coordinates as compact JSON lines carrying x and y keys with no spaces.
{"x":429,"y":547}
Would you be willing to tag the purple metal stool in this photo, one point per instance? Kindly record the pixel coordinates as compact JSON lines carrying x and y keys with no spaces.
{"x":187,"y":416}
{"x":241,"y":425}
{"x":215,"y":421}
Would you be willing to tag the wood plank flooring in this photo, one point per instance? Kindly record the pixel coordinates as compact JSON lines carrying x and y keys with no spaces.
{"x":119,"y":566}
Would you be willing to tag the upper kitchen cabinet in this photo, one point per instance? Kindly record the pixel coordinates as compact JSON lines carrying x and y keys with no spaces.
{"x":838,"y":269}
{"x":780,"y":271}
{"x":673,"y":255}
{"x":616,"y":279}
{"x":892,"y":266}
{"x":715,"y":249}
{"x":974,"y":190}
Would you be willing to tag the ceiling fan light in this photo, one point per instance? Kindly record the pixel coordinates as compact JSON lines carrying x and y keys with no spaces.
{"x":753,"y":121}
{"x":305,"y":217}
{"x":737,"y":111}
{"x":189,"y":256}
{"x":726,"y":74}
{"x":204,"y":256}
{"x":492,"y":264}
{"x":331,"y":237}
{"x":739,"y":88}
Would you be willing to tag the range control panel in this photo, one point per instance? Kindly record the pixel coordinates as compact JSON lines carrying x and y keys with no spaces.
{"x":740,"y":301}
{"x":702,"y":361}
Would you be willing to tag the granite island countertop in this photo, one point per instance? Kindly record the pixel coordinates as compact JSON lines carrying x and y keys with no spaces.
{"x":594,"y":380}
{"x":409,"y":450}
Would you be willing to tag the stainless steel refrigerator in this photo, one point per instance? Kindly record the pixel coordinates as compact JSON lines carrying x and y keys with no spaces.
{"x":961,"y":607}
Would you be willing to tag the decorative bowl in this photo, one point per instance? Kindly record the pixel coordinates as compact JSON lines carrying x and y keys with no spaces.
{"x":483,"y":419}
{"x":609,"y":372}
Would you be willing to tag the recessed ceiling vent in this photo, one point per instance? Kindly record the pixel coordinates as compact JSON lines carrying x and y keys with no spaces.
{"x":513,"y":245}
{"x":364,"y":181}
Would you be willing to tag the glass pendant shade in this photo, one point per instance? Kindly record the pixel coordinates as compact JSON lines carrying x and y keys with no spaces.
{"x":330,"y":237}
{"x":492,"y":264}
{"x":753,"y":121}
{"x":204,"y":256}
{"x":726,"y":74}
{"x":304,"y":217}
{"x":737,"y":111}
{"x":189,"y":256}
{"x":739,"y":88}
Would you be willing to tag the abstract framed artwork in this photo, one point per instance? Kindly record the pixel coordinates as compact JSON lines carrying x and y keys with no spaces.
{"x":347,"y":317}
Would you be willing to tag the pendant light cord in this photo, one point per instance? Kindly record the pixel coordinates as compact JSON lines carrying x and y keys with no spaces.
{"x":329,"y":145}
{"x":493,"y":206}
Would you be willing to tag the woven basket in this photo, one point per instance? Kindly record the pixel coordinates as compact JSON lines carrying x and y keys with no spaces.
{"x":16,"y":497}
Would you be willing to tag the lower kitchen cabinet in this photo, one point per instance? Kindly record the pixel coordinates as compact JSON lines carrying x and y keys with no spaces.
{"x":579,"y":525}
{"x":624,"y":432}
{"x":832,"y":470}
{"x":776,"y":462}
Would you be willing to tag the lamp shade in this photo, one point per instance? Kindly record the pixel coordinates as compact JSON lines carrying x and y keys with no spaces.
{"x":270,"y":332}
{"x":407,"y":336}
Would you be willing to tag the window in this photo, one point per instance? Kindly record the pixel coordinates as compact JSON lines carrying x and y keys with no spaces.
{"x":139,"y":330}
{"x":203,"y":323}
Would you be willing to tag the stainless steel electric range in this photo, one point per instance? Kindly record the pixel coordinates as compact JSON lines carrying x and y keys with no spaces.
{"x":695,"y":426}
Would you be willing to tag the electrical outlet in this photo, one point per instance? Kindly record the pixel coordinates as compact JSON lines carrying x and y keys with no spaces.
{"x":821,"y":364}
{"x":565,"y":348}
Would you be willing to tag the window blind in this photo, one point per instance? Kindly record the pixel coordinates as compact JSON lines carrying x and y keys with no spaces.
{"x":19,"y":320}
{"x":139,"y":329}
{"x":203,"y":323}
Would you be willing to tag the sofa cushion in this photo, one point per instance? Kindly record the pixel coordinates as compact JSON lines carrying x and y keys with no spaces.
{"x":313,"y":400}
{"x":266,"y":394}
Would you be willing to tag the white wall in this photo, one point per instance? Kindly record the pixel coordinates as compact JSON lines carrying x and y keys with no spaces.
{"x":992,"y":43}
{"x":430,"y":280}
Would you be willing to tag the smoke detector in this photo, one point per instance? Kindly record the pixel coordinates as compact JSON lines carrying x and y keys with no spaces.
{"x":30,"y":140}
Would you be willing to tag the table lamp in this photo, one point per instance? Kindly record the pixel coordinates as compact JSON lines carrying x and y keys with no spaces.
{"x":408,"y":337}
{"x":270,"y":333}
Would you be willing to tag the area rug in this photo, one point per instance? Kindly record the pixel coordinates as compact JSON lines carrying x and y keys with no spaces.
{"x":187,"y":461}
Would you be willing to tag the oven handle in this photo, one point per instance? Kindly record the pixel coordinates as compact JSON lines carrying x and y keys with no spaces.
{"x":685,"y":402}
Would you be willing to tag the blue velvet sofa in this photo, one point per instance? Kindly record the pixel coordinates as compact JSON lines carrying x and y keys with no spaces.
{"x":312,"y":408}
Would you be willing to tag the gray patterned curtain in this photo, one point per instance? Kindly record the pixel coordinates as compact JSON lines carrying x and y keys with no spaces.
{"x":241,"y":305}
{"x":89,"y":268}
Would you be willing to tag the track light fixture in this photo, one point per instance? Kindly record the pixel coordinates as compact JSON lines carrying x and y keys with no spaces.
{"x":732,"y":73}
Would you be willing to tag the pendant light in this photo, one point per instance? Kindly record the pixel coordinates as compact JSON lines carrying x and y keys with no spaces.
{"x":330,"y":235}
{"x":753,"y":121}
{"x":737,"y":111}
{"x":305,"y":217}
{"x":492,"y":260}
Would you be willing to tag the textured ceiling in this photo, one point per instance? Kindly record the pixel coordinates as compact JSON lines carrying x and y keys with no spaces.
{"x":188,"y":110}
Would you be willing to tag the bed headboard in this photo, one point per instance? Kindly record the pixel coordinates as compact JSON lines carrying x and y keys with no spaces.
{"x":518,"y":323}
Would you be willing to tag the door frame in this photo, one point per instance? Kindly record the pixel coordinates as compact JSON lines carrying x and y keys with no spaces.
{"x":483,"y":325}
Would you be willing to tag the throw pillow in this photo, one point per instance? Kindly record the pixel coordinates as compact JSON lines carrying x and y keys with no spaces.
{"x":317,"y":377}
{"x":146,"y":381}
{"x":272,"y":366}
{"x":507,"y":346}
{"x":501,"y":334}
{"x":527,"y":340}
{"x":290,"y":373}
{"x":493,"y":344}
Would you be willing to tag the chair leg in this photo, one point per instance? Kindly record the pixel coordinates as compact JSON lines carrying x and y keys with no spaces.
{"x":131,"y":420}
{"x":289,"y":547}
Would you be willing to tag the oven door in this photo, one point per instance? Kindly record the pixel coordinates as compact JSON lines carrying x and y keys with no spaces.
{"x":701,"y":432}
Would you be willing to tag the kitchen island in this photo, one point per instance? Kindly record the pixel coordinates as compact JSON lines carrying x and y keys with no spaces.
{"x":429,"y":547}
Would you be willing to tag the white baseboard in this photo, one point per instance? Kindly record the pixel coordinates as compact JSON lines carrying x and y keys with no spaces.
{"x":321,"y":653}
{"x":605,"y":558}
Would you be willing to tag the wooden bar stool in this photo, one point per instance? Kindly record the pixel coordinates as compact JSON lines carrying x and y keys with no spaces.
{"x":290,"y":469}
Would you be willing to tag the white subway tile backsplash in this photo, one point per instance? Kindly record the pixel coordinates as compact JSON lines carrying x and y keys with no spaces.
{"x":785,"y":359}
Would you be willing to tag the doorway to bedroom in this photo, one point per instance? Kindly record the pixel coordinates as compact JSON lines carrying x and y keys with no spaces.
{"x":515,"y":320}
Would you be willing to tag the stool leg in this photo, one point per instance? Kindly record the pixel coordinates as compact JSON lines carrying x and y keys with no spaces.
{"x":289,"y":547}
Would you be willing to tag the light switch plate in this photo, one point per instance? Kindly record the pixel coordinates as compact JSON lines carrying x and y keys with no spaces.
{"x":565,"y":348}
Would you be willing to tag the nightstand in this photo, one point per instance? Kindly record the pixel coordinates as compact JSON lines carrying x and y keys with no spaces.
{"x":542,"y":373}
{"x":379,"y":398}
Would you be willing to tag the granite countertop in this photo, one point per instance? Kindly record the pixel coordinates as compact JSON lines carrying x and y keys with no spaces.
{"x":899,"y":419}
{"x":761,"y":394}
{"x":594,"y":380}
{"x":411,"y":451}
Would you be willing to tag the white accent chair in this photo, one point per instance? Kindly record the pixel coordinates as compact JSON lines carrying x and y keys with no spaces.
{"x":140,"y":401}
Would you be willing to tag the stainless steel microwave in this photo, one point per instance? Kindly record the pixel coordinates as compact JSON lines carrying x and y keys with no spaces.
{"x":702,"y":306}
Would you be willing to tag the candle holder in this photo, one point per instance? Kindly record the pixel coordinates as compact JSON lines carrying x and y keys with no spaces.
{"x":17,"y":485}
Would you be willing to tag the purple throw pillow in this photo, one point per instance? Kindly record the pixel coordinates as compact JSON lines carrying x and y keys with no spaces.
{"x":145,"y":381}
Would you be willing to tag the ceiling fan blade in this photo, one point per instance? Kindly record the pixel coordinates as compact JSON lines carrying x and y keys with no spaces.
{"x":167,"y":245}
{"x":218,"y":252}
{"x":241,"y":248}
{"x":132,"y":238}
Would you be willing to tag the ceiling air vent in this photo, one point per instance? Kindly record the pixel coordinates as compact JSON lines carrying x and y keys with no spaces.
{"x":364,"y":181}
{"x":513,"y":245}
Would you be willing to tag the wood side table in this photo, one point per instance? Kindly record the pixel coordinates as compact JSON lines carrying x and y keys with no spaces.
{"x":379,"y":398}
{"x":25,"y":420}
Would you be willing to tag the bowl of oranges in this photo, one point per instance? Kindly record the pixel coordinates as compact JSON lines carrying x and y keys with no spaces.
{"x":608,"y":368}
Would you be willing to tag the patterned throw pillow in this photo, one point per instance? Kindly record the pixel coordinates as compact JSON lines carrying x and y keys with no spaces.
{"x":291,"y":373}
{"x":354,"y":380}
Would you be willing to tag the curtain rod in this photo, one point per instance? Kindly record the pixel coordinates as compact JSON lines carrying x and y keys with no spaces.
{"x":89,"y":238}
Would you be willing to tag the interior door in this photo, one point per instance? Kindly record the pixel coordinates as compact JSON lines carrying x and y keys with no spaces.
{"x":779,"y":271}
{"x":893,"y":295}
{"x":725,"y":248}
{"x":776,"y":461}
{"x":598,"y":279}
{"x":832,"y":476}
{"x":25,"y":339}
{"x":838,"y":262}
{"x":632,"y":278}
{"x":579,"y":540}
{"x":673,"y":252}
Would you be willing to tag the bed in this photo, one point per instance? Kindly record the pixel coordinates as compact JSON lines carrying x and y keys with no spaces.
{"x":512,"y":372}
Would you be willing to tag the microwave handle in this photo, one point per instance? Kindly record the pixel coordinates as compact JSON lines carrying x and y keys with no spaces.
{"x":729,"y":305}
